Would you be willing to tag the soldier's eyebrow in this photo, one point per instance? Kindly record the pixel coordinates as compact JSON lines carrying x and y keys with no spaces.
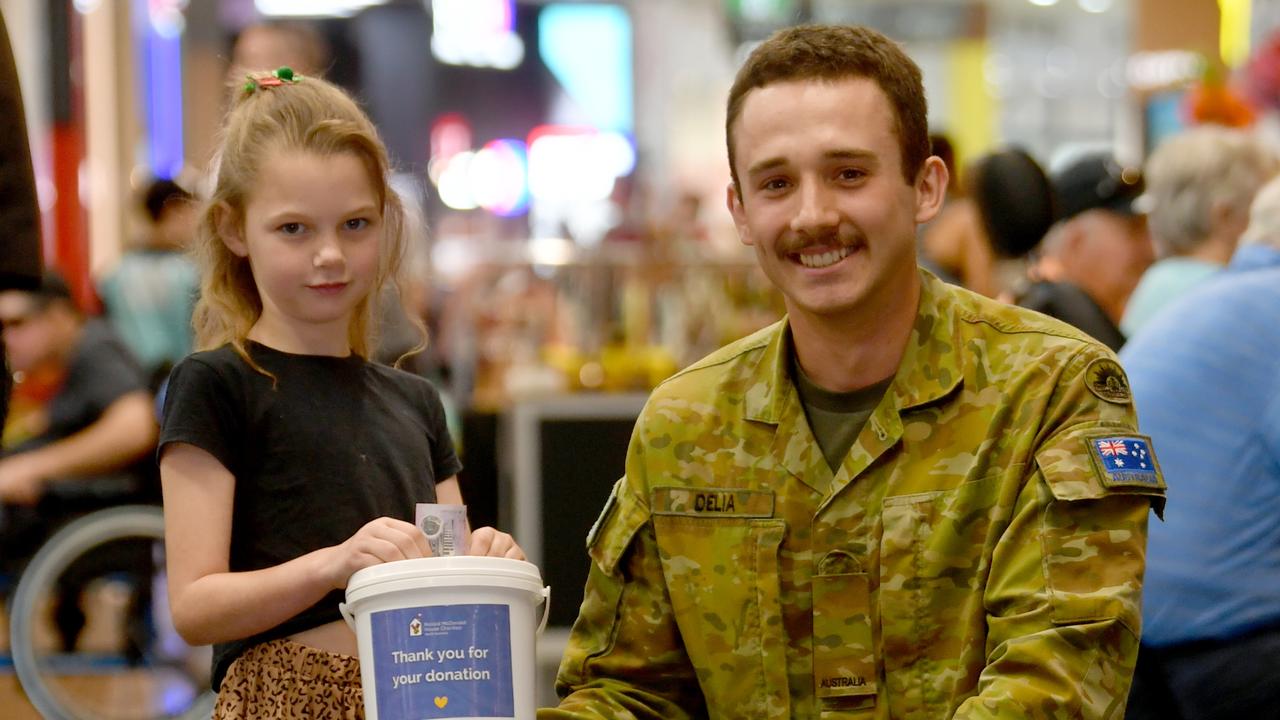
{"x":863,"y":156}
{"x":766,"y":164}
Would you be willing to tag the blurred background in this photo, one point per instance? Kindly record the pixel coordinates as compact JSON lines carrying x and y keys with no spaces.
{"x":569,"y":156}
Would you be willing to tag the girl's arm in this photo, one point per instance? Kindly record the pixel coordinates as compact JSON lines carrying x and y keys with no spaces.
{"x":211,"y":604}
{"x":486,"y":540}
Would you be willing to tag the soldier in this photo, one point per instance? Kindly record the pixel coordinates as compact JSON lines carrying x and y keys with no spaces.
{"x":902,"y":500}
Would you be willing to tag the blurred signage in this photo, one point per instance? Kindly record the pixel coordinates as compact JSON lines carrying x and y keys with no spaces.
{"x":908,"y":20}
{"x":479,"y":33}
{"x":765,"y":12}
{"x":313,"y":8}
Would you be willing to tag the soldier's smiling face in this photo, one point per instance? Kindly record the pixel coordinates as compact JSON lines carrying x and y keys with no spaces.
{"x":823,"y":198}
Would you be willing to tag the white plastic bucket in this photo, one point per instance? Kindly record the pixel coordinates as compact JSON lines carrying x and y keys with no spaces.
{"x":447,"y":637}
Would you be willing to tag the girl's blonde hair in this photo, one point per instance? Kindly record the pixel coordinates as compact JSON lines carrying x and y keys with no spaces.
{"x":309,"y":115}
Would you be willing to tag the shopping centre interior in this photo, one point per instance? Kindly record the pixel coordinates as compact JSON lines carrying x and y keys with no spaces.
{"x":564,"y":167}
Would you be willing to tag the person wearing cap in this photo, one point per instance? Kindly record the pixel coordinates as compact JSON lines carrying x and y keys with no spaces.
{"x":81,"y":407}
{"x":1199,"y":186}
{"x":1092,"y":257}
{"x":1204,"y":378}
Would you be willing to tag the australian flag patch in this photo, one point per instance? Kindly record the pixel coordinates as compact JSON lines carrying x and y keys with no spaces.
{"x":1125,"y":460}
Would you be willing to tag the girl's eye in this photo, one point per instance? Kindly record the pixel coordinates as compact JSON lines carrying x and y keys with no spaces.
{"x":291,"y":228}
{"x":357,"y":224}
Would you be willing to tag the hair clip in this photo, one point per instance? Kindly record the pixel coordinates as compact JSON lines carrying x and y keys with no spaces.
{"x":279,"y":76}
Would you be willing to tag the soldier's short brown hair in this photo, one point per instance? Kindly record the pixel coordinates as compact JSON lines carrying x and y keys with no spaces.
{"x":840,"y":52}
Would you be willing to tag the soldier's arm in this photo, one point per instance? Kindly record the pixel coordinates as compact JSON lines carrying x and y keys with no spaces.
{"x":1064,"y":594}
{"x":625,"y":658}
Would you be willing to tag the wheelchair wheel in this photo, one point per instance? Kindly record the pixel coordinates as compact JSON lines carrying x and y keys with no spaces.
{"x":127,"y":663}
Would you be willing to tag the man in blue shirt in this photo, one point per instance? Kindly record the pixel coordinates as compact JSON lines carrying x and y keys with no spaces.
{"x":1207,"y":387}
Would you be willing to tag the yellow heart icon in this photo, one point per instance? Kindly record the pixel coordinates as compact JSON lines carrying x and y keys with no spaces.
{"x":442,"y":701}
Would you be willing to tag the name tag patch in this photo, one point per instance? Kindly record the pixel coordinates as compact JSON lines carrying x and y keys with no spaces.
{"x":712,"y":502}
{"x":1125,"y":461}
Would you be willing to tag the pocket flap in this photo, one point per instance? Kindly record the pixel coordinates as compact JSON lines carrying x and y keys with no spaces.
{"x":611,"y":535}
{"x":1095,"y":462}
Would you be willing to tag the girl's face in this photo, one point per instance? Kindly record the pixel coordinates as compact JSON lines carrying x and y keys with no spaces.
{"x":312,"y":232}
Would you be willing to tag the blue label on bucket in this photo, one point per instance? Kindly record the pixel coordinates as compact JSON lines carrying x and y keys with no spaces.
{"x":446,"y":661}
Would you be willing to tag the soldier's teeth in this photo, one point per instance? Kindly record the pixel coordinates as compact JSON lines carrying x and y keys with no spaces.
{"x":821,"y":260}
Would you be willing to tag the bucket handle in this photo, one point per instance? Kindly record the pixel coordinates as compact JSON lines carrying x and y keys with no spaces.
{"x":546,"y":609}
{"x":347,"y":615}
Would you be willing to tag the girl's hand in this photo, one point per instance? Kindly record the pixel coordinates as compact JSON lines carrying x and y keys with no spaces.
{"x":382,"y":540}
{"x":490,"y":542}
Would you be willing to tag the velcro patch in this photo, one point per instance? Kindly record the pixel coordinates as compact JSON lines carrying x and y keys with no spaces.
{"x":1126,"y":461}
{"x":712,"y":502}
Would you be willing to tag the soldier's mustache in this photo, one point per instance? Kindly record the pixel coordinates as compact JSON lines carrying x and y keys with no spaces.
{"x":797,"y":245}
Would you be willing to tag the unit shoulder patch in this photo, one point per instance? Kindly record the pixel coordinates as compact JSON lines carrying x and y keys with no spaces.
{"x":1125,"y":461}
{"x":1105,"y":378}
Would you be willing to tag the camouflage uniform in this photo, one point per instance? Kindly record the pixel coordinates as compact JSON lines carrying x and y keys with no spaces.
{"x":972,"y":558}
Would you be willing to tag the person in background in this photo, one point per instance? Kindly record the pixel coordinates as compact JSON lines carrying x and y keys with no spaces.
{"x":1092,"y":257}
{"x":1204,"y":377}
{"x":1199,"y":186}
{"x":150,"y":295}
{"x":903,"y":499}
{"x":20,"y":262}
{"x":1015,"y":208}
{"x":99,"y":415}
{"x":295,"y":43}
{"x":80,"y":432}
{"x":984,"y":236}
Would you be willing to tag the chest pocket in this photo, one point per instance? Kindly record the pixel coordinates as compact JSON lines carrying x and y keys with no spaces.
{"x":934,"y":559}
{"x":722,"y":575}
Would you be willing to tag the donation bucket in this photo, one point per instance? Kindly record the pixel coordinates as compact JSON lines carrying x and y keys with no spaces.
{"x":447,"y":637}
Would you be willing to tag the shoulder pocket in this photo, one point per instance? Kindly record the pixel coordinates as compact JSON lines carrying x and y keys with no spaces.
{"x":1094,"y":530}
{"x":1096,"y":462}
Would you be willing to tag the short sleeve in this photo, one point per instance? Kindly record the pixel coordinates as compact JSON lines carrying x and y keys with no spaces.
{"x":444,"y":457}
{"x":201,"y":408}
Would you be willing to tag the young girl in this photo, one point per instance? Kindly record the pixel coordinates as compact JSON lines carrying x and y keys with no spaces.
{"x":288,"y":460}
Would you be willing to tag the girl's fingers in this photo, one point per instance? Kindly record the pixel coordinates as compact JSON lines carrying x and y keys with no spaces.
{"x":481,"y":541}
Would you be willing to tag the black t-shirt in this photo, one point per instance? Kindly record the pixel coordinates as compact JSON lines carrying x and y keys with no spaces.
{"x":1073,"y":306}
{"x":334,"y":444}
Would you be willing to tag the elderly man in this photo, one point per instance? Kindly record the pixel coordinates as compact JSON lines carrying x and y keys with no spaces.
{"x":1204,"y":377}
{"x":1199,"y":186}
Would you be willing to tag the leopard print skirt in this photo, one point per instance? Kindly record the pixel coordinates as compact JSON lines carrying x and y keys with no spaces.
{"x":283,"y":680}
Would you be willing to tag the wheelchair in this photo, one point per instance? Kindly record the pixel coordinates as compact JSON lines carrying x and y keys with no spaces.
{"x":134,"y":666}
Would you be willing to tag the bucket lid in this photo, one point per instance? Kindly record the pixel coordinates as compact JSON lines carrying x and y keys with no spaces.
{"x":440,"y":568}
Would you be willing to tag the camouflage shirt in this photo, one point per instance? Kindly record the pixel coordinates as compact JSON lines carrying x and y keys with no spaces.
{"x":979,"y":554}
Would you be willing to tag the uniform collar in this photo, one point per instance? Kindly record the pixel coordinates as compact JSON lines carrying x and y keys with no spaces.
{"x":930,"y":369}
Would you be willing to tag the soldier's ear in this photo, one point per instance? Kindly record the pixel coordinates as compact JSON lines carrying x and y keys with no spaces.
{"x":931,"y":189}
